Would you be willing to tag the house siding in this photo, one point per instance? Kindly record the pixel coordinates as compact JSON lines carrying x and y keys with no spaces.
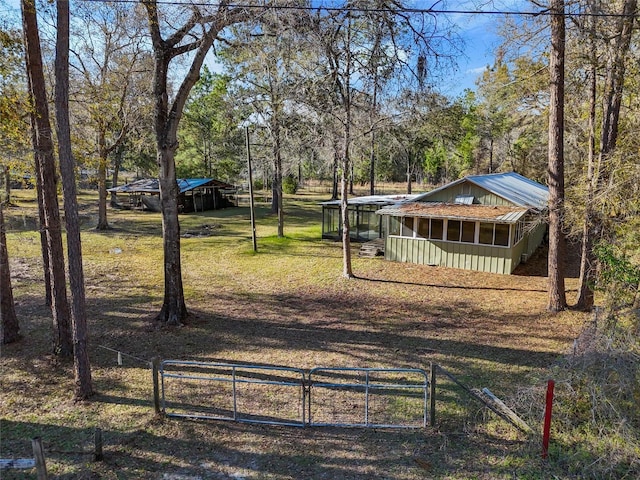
{"x":498,"y":190}
{"x":536,"y":236}
{"x":481,"y":195}
{"x":483,"y":258}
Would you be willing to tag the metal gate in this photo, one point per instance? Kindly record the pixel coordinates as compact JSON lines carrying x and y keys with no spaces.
{"x":227,"y":391}
{"x":350,"y":397}
{"x":368,"y":397}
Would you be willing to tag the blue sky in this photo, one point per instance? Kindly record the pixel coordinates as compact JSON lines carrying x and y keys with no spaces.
{"x":477,"y":31}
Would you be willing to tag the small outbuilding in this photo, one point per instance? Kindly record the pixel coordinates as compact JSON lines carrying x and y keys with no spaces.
{"x":364,"y":224}
{"x":196,"y":194}
{"x":488,"y":223}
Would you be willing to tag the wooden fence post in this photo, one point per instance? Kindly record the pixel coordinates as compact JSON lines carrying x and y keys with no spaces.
{"x":432,"y":395}
{"x":155,"y":367}
{"x":38,"y":455}
{"x":97,"y":454}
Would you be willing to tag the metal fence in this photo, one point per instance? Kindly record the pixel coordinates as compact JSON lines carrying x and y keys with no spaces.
{"x":224,"y":391}
{"x":355,"y":397}
{"x":368,"y":397}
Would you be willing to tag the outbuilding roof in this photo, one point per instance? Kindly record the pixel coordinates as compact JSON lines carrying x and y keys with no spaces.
{"x":511,"y":186}
{"x":493,"y":213}
{"x":380,"y":200}
{"x":150,"y":185}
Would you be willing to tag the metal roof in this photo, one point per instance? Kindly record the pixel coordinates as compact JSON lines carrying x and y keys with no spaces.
{"x":511,"y":186}
{"x":475,"y":212}
{"x":380,"y":200}
{"x":150,"y":185}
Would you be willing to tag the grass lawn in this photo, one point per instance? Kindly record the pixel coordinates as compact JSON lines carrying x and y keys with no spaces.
{"x":286,"y":305}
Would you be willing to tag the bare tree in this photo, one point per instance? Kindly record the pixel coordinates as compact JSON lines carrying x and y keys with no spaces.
{"x":109,"y":57}
{"x":557,"y":294}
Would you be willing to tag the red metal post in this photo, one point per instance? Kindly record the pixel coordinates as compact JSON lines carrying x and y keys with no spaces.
{"x":547,"y":419}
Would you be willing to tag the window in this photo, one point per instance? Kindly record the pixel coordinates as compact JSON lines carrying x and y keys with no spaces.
{"x":519,"y":233}
{"x":482,"y":233}
{"x":423,"y":227}
{"x":486,"y":234}
{"x":494,"y":234}
{"x":394,"y":225}
{"x":453,"y":230}
{"x":464,"y":199}
{"x":437,"y":228}
{"x":468,"y":232}
{"x":458,"y":231}
{"x":353,"y":218}
{"x":331,"y":220}
{"x":502,"y":235}
{"x":407,"y":226}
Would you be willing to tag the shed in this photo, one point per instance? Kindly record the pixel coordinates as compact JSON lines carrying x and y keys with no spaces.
{"x":364,"y":224}
{"x":195,"y":194}
{"x":489,"y":223}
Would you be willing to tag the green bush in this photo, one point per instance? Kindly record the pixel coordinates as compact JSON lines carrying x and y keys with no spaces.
{"x":258,"y":184}
{"x":290,"y":184}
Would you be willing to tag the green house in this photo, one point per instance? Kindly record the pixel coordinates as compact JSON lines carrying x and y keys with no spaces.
{"x":488,"y":223}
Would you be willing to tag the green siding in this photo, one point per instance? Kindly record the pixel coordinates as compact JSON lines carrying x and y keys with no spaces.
{"x":483,"y":258}
{"x":448,"y":195}
{"x":535,"y":238}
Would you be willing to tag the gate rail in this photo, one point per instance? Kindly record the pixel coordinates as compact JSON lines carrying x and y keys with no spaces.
{"x":234,"y":376}
{"x":372,"y":386}
{"x":347,"y":397}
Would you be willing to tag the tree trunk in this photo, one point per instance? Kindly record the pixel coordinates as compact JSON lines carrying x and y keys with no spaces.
{"x":408,"y":175}
{"x":334,"y":170}
{"x":277,"y":171}
{"x":82,"y":368}
{"x":585,"y":297}
{"x":614,"y":84}
{"x":274,"y":193}
{"x":47,"y":179}
{"x":7,"y":185}
{"x":351,"y":177}
{"x":347,"y":270}
{"x":46,"y":262}
{"x":491,"y":155}
{"x":9,"y":320}
{"x":114,"y":176}
{"x":598,"y":176}
{"x":372,"y":165}
{"x":557,"y":294}
{"x":174,"y":309}
{"x":103,"y":155}
{"x":166,"y":120}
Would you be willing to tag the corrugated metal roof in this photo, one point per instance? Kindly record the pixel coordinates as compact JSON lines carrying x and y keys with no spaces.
{"x":373,"y":200}
{"x":515,"y":188}
{"x":150,"y":185}
{"x":511,"y":186}
{"x":448,"y":210}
